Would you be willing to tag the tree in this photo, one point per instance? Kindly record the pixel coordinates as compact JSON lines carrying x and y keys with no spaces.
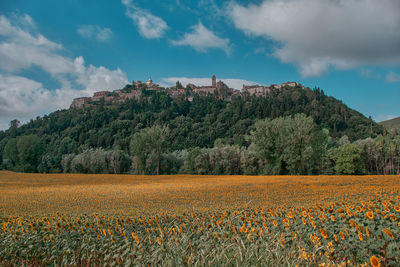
{"x":15,"y":123}
{"x":66,"y":162}
{"x":10,"y":155}
{"x":23,"y":153}
{"x":148,"y":145}
{"x":289,"y":145}
{"x":30,"y":151}
{"x":117,"y":161}
{"x":348,"y":159}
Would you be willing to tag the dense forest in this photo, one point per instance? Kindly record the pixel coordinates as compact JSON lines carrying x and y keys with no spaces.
{"x":291,"y":131}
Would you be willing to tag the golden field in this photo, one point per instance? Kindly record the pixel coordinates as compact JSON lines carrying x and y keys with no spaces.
{"x":75,"y":219}
{"x":42,"y":194}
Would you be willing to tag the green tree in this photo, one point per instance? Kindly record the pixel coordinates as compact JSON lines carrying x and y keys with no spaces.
{"x":289,"y":145}
{"x":147,"y":146}
{"x":348,"y":159}
{"x":30,"y":151}
{"x":10,"y":155}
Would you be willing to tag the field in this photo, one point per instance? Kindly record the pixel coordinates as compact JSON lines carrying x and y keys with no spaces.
{"x":70,"y":219}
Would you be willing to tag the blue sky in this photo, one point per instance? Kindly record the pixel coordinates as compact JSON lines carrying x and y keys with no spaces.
{"x":52,"y":51}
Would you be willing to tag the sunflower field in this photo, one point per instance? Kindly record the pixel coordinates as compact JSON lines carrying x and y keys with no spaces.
{"x":355,"y":228}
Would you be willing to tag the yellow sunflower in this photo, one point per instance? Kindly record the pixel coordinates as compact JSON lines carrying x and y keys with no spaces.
{"x":370,"y":214}
{"x":324,"y":233}
{"x":375,"y":261}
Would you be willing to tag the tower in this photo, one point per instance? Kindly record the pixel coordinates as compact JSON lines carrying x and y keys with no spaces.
{"x":214,"y":81}
{"x":149,"y":82}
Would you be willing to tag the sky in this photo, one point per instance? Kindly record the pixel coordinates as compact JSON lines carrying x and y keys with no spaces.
{"x":53,"y":51}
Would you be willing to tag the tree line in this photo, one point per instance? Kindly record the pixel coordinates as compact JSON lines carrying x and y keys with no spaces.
{"x":290,"y":145}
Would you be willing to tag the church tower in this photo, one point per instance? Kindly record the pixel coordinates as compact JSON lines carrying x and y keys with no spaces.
{"x":214,"y":81}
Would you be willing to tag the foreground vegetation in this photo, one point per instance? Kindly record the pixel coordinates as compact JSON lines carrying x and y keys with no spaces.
{"x":227,"y":220}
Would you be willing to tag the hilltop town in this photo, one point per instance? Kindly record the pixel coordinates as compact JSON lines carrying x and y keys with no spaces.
{"x":220,"y":89}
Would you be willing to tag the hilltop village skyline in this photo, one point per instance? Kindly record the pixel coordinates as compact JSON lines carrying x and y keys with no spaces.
{"x":134,"y":90}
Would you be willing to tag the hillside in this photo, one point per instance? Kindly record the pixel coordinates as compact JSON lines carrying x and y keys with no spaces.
{"x":391,"y":124}
{"x":196,"y":123}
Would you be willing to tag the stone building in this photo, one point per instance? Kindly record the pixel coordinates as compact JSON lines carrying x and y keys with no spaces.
{"x":257,"y":90}
{"x":289,"y":84}
{"x":128,"y":95}
{"x":152,"y":86}
{"x":80,"y":102}
{"x":223,"y":91}
{"x":204,"y":90}
{"x":149,"y":85}
{"x":99,"y":95}
{"x":177,"y":92}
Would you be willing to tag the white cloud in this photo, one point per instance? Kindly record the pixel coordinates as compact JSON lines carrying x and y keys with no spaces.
{"x":104,"y":34}
{"x":149,"y":25}
{"x":201,"y":39}
{"x":90,"y":31}
{"x":369,"y":74}
{"x":99,"y":78}
{"x":392,"y":77}
{"x":317,"y":34}
{"x":233,"y":83}
{"x":22,"y":98}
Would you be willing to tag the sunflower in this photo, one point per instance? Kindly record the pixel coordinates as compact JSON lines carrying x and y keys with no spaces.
{"x":388,"y":232}
{"x":375,"y":261}
{"x":397,"y":208}
{"x":313,"y":224}
{"x":360,"y":236}
{"x":312,"y":238}
{"x":370,"y":214}
{"x":323,"y":233}
{"x":367,"y":231}
{"x":353,"y":223}
{"x":341,"y":235}
{"x":135,"y":237}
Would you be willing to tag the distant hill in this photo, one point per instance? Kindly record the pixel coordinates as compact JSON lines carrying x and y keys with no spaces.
{"x":391,"y":124}
{"x":195,"y":123}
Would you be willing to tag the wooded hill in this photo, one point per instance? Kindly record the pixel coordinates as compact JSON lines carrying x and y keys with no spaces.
{"x":392,"y":124}
{"x":201,"y":123}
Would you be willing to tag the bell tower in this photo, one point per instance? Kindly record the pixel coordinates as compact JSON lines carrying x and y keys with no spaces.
{"x":214,"y":81}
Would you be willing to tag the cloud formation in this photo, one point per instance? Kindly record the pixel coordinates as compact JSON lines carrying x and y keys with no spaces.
{"x":94,"y":31}
{"x":201,"y":39}
{"x":369,"y":74}
{"x":21,"y":48}
{"x":317,"y":34}
{"x":149,"y":25}
{"x":392,"y":77}
{"x":233,"y":83}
